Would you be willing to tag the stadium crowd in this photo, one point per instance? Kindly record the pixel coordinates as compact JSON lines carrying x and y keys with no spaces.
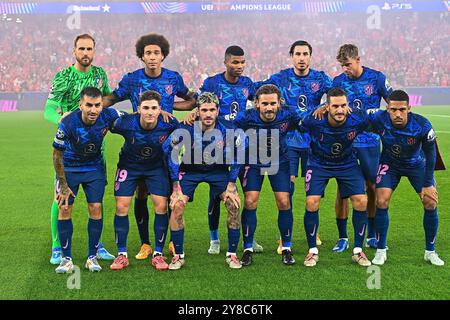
{"x":32,"y":50}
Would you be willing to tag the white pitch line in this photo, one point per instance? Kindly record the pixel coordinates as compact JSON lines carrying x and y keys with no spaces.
{"x":436,"y":115}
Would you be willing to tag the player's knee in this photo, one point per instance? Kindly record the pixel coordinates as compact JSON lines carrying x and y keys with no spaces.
{"x":360,"y":202}
{"x":429,"y":204}
{"x":95,"y":210}
{"x":231,"y":207}
{"x":284,"y":203}
{"x":234,"y":219}
{"x":122,"y":208}
{"x":179,"y":208}
{"x":65,"y":214}
{"x":250,"y":203}
{"x":382,"y":202}
{"x":312,"y":204}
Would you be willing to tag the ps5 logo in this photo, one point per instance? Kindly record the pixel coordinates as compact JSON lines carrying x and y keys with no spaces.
{"x":397,"y":6}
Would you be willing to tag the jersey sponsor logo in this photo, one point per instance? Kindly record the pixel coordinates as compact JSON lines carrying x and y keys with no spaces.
{"x":351,"y":135}
{"x":431,"y":135}
{"x":357,"y":103}
{"x":315,"y":86}
{"x":368,"y":89}
{"x":146,"y":151}
{"x":90,"y":148}
{"x":302,"y":101}
{"x":396,"y":149}
{"x":336,"y":149}
{"x":169,"y":89}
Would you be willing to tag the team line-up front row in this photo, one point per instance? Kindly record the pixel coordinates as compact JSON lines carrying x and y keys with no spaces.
{"x":408,"y":142}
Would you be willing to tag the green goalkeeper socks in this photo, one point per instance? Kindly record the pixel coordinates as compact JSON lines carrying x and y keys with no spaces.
{"x":54,"y":219}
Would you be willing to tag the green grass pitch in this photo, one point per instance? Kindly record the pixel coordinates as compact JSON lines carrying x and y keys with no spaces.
{"x":26,"y":179}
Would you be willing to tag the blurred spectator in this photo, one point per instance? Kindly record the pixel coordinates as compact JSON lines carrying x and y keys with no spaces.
{"x":411,"y":51}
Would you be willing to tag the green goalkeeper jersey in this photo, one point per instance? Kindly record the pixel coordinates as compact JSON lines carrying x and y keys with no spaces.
{"x":66,"y":87}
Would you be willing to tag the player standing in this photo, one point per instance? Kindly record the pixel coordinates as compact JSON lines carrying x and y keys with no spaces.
{"x":301,"y":87}
{"x":408,"y":151}
{"x":270,"y":124}
{"x":234,"y":91}
{"x":141,"y":159}
{"x":331,"y":156}
{"x":364,"y":87}
{"x":77,"y":158}
{"x":152,"y":49}
{"x":217,"y":168}
{"x":64,"y":97}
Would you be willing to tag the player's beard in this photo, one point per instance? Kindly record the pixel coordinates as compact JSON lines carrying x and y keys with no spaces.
{"x":83,"y":62}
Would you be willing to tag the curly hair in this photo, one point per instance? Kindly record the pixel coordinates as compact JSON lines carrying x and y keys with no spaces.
{"x":155,"y":39}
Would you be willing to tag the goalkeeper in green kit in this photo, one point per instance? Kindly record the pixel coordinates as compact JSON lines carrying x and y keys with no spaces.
{"x":64,"y":97}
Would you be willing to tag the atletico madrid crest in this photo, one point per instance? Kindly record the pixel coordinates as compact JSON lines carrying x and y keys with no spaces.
{"x":368,"y":89}
{"x":315,"y":86}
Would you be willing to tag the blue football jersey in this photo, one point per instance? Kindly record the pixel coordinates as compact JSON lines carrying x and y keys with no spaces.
{"x":82,"y":143}
{"x":233,"y":97}
{"x":142,"y":149}
{"x":302,"y":92}
{"x":331,"y":147}
{"x":403,"y":148}
{"x":266,"y":144}
{"x":169,"y":84}
{"x":365,"y":93}
{"x":217,"y":152}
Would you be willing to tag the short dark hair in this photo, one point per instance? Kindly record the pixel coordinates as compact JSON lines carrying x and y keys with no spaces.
{"x":150,"y":95}
{"x":207,"y":97}
{"x":300,"y":43}
{"x":267,"y":89}
{"x":155,"y":39}
{"x":83,"y":36}
{"x":91,"y":92}
{"x":234,"y":51}
{"x":399,"y":95}
{"x":347,"y":51}
{"x":335,"y":92}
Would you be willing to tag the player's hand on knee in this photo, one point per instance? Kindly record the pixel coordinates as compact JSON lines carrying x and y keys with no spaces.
{"x":191,"y":117}
{"x":231,"y":196}
{"x":176,"y":197}
{"x":62,"y":198}
{"x":429,"y":192}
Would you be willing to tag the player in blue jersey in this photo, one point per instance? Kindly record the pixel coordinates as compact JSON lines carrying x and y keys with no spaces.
{"x":142,"y":159}
{"x":77,"y":158}
{"x":301,"y":87}
{"x":201,"y":163}
{"x":364,"y":87}
{"x":408,"y":151}
{"x":266,"y":127}
{"x":331,"y":156}
{"x":234,"y":92}
{"x":152,"y":50}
